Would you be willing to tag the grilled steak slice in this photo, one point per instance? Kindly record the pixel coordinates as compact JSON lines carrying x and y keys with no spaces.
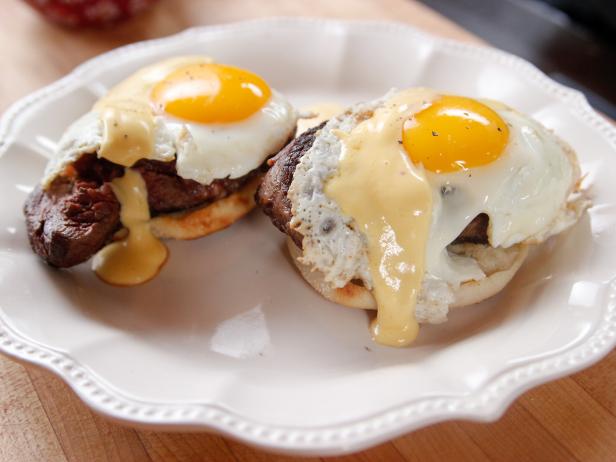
{"x":476,"y":232}
{"x":78,"y":214}
{"x":272,"y":194}
{"x":71,"y":220}
{"x":167,"y":192}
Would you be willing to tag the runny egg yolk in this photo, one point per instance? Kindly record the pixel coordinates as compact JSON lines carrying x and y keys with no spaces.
{"x":210,"y":93}
{"x":454,"y":133}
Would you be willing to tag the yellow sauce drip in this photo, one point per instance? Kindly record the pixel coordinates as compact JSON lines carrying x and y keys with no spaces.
{"x":391,"y":202}
{"x":139,"y":256}
{"x":128,"y":121}
{"x":128,"y":115}
{"x":128,"y":128}
{"x":323,"y":111}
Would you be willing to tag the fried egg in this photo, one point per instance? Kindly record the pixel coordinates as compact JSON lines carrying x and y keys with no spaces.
{"x":389,"y":184}
{"x":215,"y":120}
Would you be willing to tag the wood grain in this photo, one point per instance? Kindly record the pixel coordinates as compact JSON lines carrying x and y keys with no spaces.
{"x":26,"y":432}
{"x":41,"y":419}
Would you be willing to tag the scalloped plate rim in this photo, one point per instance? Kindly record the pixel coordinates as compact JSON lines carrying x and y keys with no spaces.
{"x":484,"y":405}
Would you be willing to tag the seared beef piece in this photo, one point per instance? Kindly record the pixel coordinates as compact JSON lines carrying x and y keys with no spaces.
{"x":476,"y":232}
{"x":78,"y":214}
{"x":167,"y":192}
{"x":71,"y":220}
{"x":272,"y":194}
{"x":90,"y":167}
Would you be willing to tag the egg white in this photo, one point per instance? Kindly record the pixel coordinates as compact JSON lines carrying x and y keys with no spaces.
{"x":524,"y":192}
{"x":204,"y":152}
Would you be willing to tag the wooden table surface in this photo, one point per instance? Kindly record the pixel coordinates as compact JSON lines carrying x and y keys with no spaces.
{"x":40,"y":419}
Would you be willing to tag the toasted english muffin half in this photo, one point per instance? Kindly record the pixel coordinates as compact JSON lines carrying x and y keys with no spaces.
{"x":499,"y":265}
{"x":201,"y":221}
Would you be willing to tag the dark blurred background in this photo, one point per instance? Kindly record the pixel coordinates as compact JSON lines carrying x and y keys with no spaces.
{"x":573,"y":41}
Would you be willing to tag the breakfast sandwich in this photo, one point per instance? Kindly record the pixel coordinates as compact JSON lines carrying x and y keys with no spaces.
{"x":174,"y":151}
{"x":419,"y":202}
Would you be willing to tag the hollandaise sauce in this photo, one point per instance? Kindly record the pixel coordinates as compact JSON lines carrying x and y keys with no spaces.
{"x":127,"y":114}
{"x":390,"y":200}
{"x":320,"y":113}
{"x":138,"y":257}
{"x":128,"y":132}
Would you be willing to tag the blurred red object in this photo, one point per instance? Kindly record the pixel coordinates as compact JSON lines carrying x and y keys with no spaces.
{"x":77,"y":13}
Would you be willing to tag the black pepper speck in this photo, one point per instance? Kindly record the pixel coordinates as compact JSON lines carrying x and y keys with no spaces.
{"x":328,"y":225}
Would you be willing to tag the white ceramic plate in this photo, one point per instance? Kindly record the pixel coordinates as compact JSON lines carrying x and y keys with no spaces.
{"x":228,"y":338}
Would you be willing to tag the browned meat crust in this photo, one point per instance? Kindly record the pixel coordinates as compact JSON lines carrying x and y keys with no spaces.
{"x":71,"y":220}
{"x":167,"y":192}
{"x":272,"y":194}
{"x":476,"y":232}
{"x":78,"y":214}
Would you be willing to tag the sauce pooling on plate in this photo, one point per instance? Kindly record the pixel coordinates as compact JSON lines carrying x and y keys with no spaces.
{"x":138,"y":257}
